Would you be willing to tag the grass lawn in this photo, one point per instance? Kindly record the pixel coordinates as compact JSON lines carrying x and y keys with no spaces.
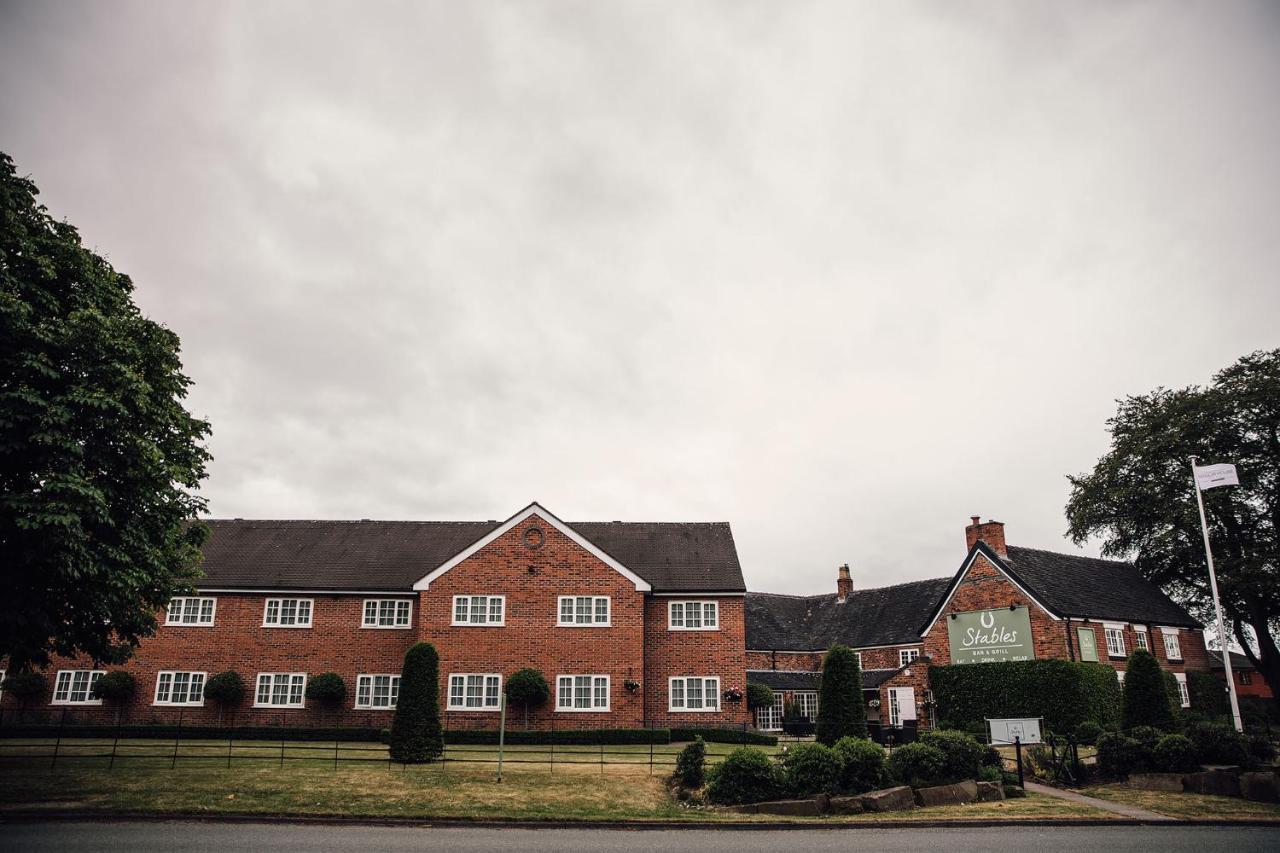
{"x":1184,"y":805}
{"x":418,"y":792}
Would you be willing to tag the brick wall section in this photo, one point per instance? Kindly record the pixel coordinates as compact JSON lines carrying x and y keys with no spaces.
{"x":531,"y":580}
{"x":238,"y":641}
{"x":1195,"y":657}
{"x":698,"y":653}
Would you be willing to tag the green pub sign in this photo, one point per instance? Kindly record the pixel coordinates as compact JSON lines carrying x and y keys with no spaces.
{"x":984,"y":636}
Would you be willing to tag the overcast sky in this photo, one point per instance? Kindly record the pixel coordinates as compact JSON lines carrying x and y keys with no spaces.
{"x":840,"y":274}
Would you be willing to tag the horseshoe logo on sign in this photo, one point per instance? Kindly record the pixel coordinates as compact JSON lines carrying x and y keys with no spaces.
{"x":988,"y":619}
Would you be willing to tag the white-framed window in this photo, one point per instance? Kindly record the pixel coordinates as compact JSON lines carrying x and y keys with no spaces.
{"x":179,"y":688}
{"x":694,"y":693}
{"x":474,"y":691}
{"x":580,"y":610}
{"x":1115,"y":640}
{"x":191,"y":610}
{"x":287,"y":613}
{"x":378,"y":692}
{"x":906,"y":656}
{"x":693,"y":616}
{"x":387,"y":613}
{"x":1140,"y":640}
{"x":1184,"y":695}
{"x":1172,"y":648}
{"x":769,"y":718}
{"x":1246,"y":677}
{"x":281,"y":690}
{"x":807,"y":703}
{"x":479,"y":610}
{"x":582,"y":693}
{"x":75,"y":687}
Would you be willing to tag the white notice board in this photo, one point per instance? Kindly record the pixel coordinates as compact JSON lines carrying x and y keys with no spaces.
{"x":1027,"y":730}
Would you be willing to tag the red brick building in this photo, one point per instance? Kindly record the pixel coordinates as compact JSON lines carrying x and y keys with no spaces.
{"x":1249,"y":682}
{"x":1014,"y":603}
{"x":632,"y":624}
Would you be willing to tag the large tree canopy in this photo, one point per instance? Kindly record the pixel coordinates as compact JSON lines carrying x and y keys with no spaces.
{"x":1140,"y":498}
{"x":99,"y":461}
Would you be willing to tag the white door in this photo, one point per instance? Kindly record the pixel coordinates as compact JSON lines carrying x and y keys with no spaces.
{"x":902,"y":705}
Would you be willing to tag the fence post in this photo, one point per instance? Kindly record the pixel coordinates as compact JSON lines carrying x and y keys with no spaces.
{"x":177,"y":738}
{"x":1017,"y":752}
{"x":57,"y":744}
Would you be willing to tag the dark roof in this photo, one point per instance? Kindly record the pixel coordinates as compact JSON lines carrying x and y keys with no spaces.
{"x":1074,"y":585}
{"x":1238,"y":661}
{"x":779,"y":679}
{"x":393,"y":555}
{"x":885,"y":616}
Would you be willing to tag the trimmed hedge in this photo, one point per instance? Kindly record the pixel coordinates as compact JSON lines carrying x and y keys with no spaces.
{"x":170,"y":732}
{"x":963,"y":755}
{"x":918,"y":764}
{"x":416,"y":735}
{"x":580,"y":737}
{"x":745,"y":776}
{"x":862,"y":764}
{"x":719,"y":736}
{"x":811,"y":768}
{"x":1208,"y":695}
{"x":1065,"y":693}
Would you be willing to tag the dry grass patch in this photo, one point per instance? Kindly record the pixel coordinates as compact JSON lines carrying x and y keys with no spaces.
{"x":1183,"y":805}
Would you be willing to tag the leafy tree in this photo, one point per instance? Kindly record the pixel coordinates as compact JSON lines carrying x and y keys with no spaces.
{"x":25,"y":686}
{"x":528,"y":689}
{"x":116,"y":688}
{"x":226,"y":689}
{"x":759,"y":695}
{"x":1146,"y":696}
{"x":840,"y":712}
{"x":99,"y":461}
{"x":416,"y":736}
{"x":1139,"y":498}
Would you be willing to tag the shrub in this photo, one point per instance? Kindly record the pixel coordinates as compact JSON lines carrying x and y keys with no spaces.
{"x":1145,"y":735}
{"x":691,"y":764}
{"x":745,"y":776}
{"x":962,"y":753}
{"x":1119,"y":755}
{"x":1208,"y":694}
{"x":1220,"y":744}
{"x":528,"y":689}
{"x":415,"y":729}
{"x":1013,"y":792}
{"x":1262,"y":749}
{"x":1064,"y":693}
{"x":840,"y":711}
{"x":759,"y":695}
{"x":723,"y":736}
{"x":811,"y":768}
{"x":987,"y":773}
{"x":861,"y":764}
{"x":25,"y":685}
{"x":1175,"y":754}
{"x":225,"y":688}
{"x":327,"y":688}
{"x":116,"y":687}
{"x":1146,"y":696}
{"x":918,"y":765}
{"x":1087,"y":733}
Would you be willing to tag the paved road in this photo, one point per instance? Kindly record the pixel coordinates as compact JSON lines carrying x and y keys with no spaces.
{"x":178,"y":837}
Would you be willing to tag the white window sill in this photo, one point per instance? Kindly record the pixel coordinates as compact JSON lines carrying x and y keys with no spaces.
{"x":478,"y":624}
{"x":492,"y":710}
{"x":280,"y":707}
{"x":584,"y":624}
{"x":582,"y":710}
{"x":291,"y":627}
{"x":692,"y":710}
{"x":671,"y":628}
{"x":93,"y":702}
{"x":188,"y":624}
{"x":177,"y":704}
{"x":388,"y":627}
{"x":375,"y":707}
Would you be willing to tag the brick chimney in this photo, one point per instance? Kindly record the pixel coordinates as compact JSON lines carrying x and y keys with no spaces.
{"x":844,"y":584}
{"x":990,"y":532}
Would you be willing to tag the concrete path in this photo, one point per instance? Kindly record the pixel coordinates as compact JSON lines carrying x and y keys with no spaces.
{"x":1132,"y":812}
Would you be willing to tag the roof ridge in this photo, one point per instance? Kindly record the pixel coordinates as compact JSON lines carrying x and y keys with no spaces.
{"x":1073,"y":556}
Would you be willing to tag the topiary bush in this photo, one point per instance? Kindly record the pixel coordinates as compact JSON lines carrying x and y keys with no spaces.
{"x":840,"y":711}
{"x":416,"y":736}
{"x":962,"y":754}
{"x":746,"y":775}
{"x":918,"y":765}
{"x":1145,"y":735}
{"x":811,"y":768}
{"x":1119,"y":755}
{"x":1146,"y":695}
{"x":116,"y":687}
{"x":691,"y":764}
{"x":1217,"y":743}
{"x":225,"y":689}
{"x":1087,"y":733}
{"x":861,"y":764}
{"x":25,"y":685}
{"x":1175,"y":754}
{"x":528,"y":689}
{"x":327,"y":688}
{"x":759,"y":695}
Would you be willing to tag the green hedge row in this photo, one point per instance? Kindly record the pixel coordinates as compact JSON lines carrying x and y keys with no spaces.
{"x":568,"y":737}
{"x":712,"y":735}
{"x":1064,"y":693}
{"x":164,"y":732}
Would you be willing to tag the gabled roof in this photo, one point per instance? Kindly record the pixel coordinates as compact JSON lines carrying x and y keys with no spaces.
{"x":1238,"y":661}
{"x":884,"y":616}
{"x":390,"y":556}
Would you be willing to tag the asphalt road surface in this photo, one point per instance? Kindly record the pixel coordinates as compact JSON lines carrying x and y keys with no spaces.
{"x":178,"y":837}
